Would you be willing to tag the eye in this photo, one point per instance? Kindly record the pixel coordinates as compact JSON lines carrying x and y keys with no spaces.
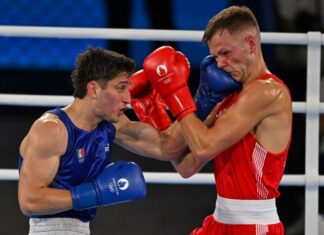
{"x":224,"y":53}
{"x":122,"y":87}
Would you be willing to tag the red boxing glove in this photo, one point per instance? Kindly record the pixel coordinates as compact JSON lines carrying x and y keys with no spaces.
{"x":168,"y":70}
{"x":147,"y":104}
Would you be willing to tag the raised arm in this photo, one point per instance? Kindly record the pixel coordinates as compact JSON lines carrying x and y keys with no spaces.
{"x":143,"y":139}
{"x":262,"y":109}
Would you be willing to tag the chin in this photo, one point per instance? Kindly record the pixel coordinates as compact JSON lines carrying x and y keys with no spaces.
{"x":114,"y":120}
{"x":111,"y":119}
{"x":237,"y":77}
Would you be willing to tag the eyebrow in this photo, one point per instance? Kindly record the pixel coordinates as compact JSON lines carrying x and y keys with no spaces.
{"x":123,"y":82}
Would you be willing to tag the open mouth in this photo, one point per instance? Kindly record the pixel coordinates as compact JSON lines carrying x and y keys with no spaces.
{"x":121,"y":111}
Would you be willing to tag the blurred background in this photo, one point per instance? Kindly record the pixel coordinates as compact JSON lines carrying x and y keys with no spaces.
{"x":43,"y":66}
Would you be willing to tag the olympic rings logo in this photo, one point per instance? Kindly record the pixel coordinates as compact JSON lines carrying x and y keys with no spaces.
{"x":167,"y":80}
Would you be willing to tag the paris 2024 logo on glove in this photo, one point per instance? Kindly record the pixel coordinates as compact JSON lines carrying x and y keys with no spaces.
{"x":121,"y":184}
{"x":162,"y":72}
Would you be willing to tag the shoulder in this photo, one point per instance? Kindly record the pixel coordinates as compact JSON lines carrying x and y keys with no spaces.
{"x":264,"y":91}
{"x":263,"y":98}
{"x":49,"y":125}
{"x":48,"y":133}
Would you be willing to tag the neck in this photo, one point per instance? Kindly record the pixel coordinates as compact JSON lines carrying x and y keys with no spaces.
{"x":257,"y":70}
{"x":81,"y":114}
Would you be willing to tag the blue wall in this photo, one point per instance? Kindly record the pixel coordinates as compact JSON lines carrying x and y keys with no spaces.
{"x":59,"y":54}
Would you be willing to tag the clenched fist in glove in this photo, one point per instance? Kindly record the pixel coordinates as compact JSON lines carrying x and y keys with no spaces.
{"x":119,"y":182}
{"x":215,"y":84}
{"x":168,"y":70}
{"x":147,"y":103}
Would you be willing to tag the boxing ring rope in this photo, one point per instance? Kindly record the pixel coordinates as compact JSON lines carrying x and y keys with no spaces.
{"x":312,"y":107}
{"x":137,"y":34}
{"x":54,"y":101}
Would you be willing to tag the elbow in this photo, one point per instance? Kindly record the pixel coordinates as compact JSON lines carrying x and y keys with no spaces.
{"x":186,"y":174}
{"x":188,"y":170}
{"x":198,"y":160}
{"x":26,"y":208}
{"x":25,"y":211}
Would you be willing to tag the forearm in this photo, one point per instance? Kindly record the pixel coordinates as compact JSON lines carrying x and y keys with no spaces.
{"x":173,"y":143}
{"x":145,"y":140}
{"x":44,"y":201}
{"x":139,"y":138}
{"x":196,"y":135}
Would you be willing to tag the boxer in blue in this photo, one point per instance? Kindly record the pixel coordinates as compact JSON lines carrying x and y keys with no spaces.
{"x":65,"y":159}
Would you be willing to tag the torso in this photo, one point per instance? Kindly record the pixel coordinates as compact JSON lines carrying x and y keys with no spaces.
{"x":253,"y":167}
{"x":86,"y":155}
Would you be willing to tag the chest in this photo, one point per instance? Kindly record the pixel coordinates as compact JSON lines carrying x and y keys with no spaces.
{"x":86,"y":156}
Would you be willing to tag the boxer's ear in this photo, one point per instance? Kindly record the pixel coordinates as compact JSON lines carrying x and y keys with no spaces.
{"x":92,"y":87}
{"x":251,"y":42}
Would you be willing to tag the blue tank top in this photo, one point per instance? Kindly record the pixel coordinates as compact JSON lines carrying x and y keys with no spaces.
{"x":86,"y":156}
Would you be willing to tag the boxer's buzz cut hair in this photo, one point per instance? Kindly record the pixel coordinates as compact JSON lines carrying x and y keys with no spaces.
{"x":232,"y":19}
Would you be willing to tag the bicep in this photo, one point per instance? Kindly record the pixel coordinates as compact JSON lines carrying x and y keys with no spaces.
{"x":232,"y":125}
{"x":241,"y":118}
{"x":38,"y":168}
{"x":138,"y":137}
{"x":41,"y":151}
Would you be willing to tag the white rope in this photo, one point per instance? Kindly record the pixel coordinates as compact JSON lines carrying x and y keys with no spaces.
{"x":9,"y":174}
{"x":58,"y":101}
{"x":35,"y":100}
{"x":101,"y":33}
{"x":137,"y":34}
{"x":175,"y":178}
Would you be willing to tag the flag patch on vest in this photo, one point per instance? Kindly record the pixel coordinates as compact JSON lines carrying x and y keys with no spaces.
{"x":81,"y":155}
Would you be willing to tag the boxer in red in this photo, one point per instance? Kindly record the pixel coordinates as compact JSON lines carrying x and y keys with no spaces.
{"x":251,"y":131}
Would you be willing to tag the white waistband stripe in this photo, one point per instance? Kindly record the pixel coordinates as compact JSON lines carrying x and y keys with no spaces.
{"x":58,"y":226}
{"x":233,"y":211}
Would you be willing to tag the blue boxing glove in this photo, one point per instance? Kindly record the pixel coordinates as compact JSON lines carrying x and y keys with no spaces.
{"x":215,"y":84}
{"x":119,"y":182}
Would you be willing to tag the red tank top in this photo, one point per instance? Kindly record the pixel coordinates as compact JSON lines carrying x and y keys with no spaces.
{"x":247,"y":170}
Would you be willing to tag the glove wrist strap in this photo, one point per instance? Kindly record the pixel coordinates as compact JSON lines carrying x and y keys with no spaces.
{"x":181,"y":101}
{"x":84,"y":196}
